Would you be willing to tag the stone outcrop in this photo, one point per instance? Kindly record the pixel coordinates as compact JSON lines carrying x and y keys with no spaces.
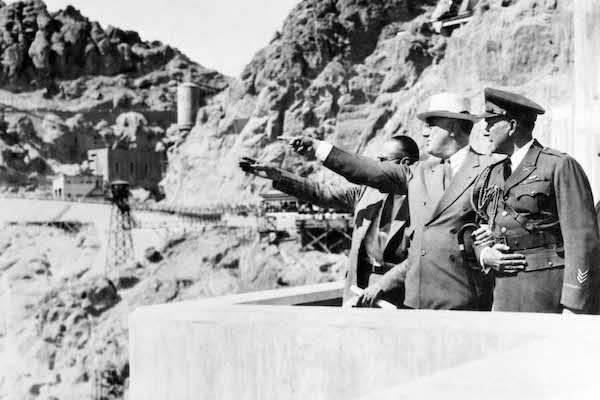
{"x":68,"y":75}
{"x":40,"y":46}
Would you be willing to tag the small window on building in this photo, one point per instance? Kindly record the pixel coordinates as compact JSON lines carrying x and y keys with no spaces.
{"x":131,"y":168}
{"x":146,"y":170}
{"x":117,"y":168}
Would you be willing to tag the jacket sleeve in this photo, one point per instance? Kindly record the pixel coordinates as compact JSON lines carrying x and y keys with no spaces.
{"x":342,"y":197}
{"x":579,"y":229}
{"x":394,"y":278}
{"x":387,"y":177}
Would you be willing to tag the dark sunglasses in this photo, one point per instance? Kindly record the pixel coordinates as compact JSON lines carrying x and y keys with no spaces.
{"x":384,"y":159}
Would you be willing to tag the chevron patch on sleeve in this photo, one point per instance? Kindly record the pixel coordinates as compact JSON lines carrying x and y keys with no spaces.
{"x":582,"y":276}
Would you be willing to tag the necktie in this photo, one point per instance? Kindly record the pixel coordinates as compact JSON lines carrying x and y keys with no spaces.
{"x":386,"y":213}
{"x":447,"y":173}
{"x":507,"y":168}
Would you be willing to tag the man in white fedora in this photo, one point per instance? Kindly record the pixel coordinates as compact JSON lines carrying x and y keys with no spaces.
{"x":439,"y":193}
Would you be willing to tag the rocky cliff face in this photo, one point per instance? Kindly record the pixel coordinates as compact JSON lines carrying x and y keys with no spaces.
{"x":38,"y":47}
{"x":66,"y":80}
{"x":352,"y":72}
{"x":355,"y":73}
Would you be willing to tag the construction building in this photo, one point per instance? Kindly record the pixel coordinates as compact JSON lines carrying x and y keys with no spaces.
{"x":139,"y":168}
{"x":74,"y":187}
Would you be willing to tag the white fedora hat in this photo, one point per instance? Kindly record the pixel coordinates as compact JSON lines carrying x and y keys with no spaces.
{"x":449,"y":105}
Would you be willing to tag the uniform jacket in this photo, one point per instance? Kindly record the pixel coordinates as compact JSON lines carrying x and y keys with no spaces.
{"x":436,"y":277}
{"x":552,"y":192}
{"x":365,"y":203}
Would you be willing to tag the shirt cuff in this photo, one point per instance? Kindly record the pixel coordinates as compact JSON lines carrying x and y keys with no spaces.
{"x":484,"y":268}
{"x":322,"y":151}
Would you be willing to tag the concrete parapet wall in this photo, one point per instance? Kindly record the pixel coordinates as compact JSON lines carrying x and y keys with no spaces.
{"x":221,"y":349}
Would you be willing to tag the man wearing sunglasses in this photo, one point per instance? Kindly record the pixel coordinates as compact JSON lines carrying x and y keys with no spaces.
{"x":379,"y":218}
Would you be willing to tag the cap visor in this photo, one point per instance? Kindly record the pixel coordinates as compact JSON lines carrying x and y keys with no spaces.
{"x":488,"y":115}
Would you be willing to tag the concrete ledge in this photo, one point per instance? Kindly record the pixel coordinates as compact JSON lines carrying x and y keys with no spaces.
{"x":232,"y":348}
{"x":553,"y":368}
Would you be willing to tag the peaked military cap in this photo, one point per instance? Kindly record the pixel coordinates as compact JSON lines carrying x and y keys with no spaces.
{"x":499,"y":102}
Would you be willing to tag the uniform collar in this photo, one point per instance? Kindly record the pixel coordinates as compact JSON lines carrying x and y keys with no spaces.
{"x":519,"y":155}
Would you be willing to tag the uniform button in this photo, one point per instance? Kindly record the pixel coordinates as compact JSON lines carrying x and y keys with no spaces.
{"x":533,"y":192}
{"x":425,"y":228}
{"x":503,"y":229}
{"x":549,"y":263}
{"x":424,"y":203}
{"x":423,"y":252}
{"x":505,"y":197}
{"x":504,"y":213}
{"x":465,"y":208}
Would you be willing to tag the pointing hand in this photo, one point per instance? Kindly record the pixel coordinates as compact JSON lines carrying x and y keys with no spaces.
{"x":303,"y":145}
{"x":252,"y":166}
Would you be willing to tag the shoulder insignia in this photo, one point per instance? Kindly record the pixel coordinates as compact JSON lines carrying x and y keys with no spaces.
{"x":553,"y":152}
{"x":534,"y":178}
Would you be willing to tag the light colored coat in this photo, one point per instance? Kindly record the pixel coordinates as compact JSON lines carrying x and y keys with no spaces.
{"x":365,"y":203}
{"x":436,"y":277}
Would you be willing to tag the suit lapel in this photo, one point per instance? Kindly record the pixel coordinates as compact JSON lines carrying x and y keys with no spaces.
{"x":525,"y":168}
{"x":434,"y":181}
{"x":399,"y":220}
{"x":369,"y":208}
{"x":460,"y":182}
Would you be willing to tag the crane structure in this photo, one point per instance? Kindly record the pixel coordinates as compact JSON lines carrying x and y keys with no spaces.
{"x":119,"y":250}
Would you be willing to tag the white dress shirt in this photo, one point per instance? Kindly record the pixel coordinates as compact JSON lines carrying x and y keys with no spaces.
{"x":457,"y":159}
{"x":519,"y":155}
{"x":322,"y":150}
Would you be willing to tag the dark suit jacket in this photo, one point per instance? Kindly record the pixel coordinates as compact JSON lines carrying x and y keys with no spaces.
{"x":366,"y":204}
{"x":436,"y":277}
{"x":551,"y":190}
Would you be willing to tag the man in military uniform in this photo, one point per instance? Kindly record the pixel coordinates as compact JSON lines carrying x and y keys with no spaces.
{"x":539,"y":206}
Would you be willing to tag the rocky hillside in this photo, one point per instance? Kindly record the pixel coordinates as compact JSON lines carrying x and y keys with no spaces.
{"x":355,"y":72}
{"x":67,"y":84}
{"x":64,"y":319}
{"x":352,"y":72}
